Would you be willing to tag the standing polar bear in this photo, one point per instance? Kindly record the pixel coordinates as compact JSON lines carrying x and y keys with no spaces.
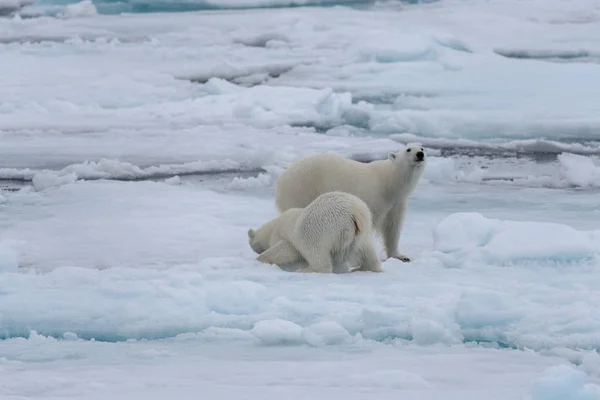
{"x":332,"y":230}
{"x":384,"y":185}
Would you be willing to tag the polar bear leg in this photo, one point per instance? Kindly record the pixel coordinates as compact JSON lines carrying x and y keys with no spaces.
{"x":392,"y":224}
{"x":281,"y":253}
{"x":370,"y":259}
{"x":318,"y":263}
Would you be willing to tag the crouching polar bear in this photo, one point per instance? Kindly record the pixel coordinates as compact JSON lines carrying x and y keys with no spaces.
{"x":333,"y":230}
{"x":384,"y":185}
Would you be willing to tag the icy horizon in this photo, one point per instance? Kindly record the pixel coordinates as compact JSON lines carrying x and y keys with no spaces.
{"x":38,"y":8}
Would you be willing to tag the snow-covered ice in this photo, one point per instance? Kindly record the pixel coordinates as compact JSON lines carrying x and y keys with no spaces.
{"x":176,"y":264}
{"x":183,"y":368}
{"x":85,"y":8}
{"x":579,"y":170}
{"x":137,"y":149}
{"x":474,"y":236}
{"x":562,"y":382}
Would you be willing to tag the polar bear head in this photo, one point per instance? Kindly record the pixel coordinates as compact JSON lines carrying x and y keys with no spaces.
{"x":413,"y":157}
{"x":408,"y":167}
{"x":255,"y":241}
{"x":259,"y":239}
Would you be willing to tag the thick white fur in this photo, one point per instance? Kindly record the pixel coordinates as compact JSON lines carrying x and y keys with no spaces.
{"x":333,"y":229}
{"x":384,"y":185}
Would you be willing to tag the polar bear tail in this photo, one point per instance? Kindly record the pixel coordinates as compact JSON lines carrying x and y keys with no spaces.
{"x":361,"y":216}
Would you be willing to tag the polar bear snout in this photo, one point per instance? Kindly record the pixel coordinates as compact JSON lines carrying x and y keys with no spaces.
{"x":414,"y":154}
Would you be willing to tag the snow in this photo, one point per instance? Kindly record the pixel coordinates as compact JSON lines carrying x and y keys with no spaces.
{"x":137,"y":149}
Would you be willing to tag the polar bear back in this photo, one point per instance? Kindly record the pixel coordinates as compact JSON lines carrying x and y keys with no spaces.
{"x":306,"y":179}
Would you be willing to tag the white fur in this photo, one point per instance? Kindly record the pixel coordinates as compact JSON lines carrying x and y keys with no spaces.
{"x":332,"y":230}
{"x":384,"y":185}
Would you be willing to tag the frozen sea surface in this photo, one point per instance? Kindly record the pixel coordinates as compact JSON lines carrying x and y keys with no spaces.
{"x":136,"y":150}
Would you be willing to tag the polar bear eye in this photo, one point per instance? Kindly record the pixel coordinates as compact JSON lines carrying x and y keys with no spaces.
{"x":408,"y":151}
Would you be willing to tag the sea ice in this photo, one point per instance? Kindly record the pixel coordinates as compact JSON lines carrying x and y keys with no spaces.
{"x":177,"y":261}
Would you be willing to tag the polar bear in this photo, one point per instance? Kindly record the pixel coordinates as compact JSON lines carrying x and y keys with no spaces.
{"x":384,"y":185}
{"x":334,"y":229}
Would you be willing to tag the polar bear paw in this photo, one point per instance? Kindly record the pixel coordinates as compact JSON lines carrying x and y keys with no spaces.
{"x":401,"y":257}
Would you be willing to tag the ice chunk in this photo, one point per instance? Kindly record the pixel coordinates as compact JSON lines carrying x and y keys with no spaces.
{"x":84,"y":8}
{"x":390,"y":50}
{"x":45,"y":180}
{"x":462,"y":231}
{"x":326,"y":333}
{"x":282,"y":332}
{"x":473,"y":237}
{"x":476,"y":175}
{"x":174,"y":180}
{"x":253,"y":182}
{"x":440,"y":170}
{"x":427,"y":332}
{"x":579,"y":170}
{"x":261,"y":181}
{"x":277,"y":332}
{"x":217,"y":86}
{"x":70,"y":336}
{"x":563,"y":382}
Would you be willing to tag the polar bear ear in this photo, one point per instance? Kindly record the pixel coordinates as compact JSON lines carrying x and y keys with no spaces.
{"x":251,"y":233}
{"x":392,"y":156}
